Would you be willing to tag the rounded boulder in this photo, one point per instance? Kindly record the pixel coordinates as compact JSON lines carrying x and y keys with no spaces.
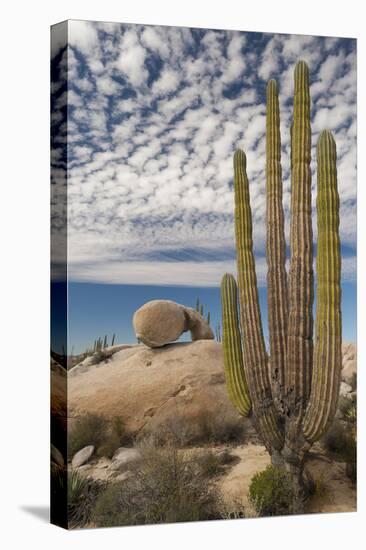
{"x":159,"y":322}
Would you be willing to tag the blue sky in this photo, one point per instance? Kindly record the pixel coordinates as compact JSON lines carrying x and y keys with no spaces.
{"x":97,"y":310}
{"x":154,"y":116}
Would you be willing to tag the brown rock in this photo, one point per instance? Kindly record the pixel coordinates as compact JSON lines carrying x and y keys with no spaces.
{"x":182,"y":379}
{"x":200,"y":329}
{"x":160,"y":322}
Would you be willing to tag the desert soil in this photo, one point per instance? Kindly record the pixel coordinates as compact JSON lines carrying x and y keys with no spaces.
{"x":335,"y":491}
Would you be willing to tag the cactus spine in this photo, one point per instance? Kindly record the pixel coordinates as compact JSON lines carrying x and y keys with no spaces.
{"x":294,"y":400}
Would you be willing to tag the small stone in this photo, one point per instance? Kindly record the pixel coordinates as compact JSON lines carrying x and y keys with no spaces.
{"x":82,"y":456}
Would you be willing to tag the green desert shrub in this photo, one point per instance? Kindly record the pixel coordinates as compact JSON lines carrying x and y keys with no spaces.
{"x":166,"y":485}
{"x":81,"y":496}
{"x":93,"y":429}
{"x":271,"y":492}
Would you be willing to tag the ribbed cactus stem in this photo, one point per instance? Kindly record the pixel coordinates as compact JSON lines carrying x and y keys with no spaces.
{"x":275,"y":248}
{"x":255,"y":356}
{"x":328,"y":329}
{"x":231,"y":343}
{"x":292,"y":408}
{"x":300,"y":320}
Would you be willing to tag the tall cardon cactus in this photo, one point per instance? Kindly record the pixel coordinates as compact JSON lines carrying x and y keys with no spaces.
{"x":291,"y":395}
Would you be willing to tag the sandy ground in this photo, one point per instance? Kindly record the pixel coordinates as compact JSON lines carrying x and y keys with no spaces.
{"x":335,"y":491}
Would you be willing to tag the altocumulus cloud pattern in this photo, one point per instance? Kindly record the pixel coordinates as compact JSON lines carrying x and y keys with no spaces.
{"x":154,"y":115}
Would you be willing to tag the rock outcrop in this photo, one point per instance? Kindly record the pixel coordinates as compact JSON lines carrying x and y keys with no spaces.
{"x":160,"y":322}
{"x":146,"y":386}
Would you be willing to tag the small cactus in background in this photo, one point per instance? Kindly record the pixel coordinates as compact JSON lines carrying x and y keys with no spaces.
{"x":218,"y":332}
{"x":200,"y":309}
{"x":113,"y":339}
{"x":293,"y":402}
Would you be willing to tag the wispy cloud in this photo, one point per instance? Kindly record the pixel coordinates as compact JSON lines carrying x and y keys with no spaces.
{"x":154,"y":116}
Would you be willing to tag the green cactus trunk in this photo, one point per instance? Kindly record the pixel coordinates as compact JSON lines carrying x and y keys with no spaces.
{"x":292,"y":400}
{"x":328,"y":329}
{"x":255,"y":355}
{"x":276,"y":249}
{"x":300,"y":322}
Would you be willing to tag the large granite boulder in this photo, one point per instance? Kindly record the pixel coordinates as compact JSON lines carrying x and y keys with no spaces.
{"x":146,"y":386}
{"x":160,"y":322}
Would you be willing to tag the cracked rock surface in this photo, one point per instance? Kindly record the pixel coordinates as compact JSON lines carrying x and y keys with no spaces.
{"x":146,"y":386}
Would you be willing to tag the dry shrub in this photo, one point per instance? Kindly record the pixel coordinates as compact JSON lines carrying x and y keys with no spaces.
{"x":218,"y":427}
{"x":213,"y":463}
{"x":93,"y":429}
{"x":335,"y":439}
{"x":203,"y":427}
{"x":340,"y":439}
{"x":81,"y":497}
{"x":166,"y":485}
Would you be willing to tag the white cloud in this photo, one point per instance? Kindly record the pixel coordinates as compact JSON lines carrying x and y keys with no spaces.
{"x":107,"y":86}
{"x":83,"y":35}
{"x":150,"y":171}
{"x":132,"y":58}
{"x":154,"y":40}
{"x":167,"y":82}
{"x":236,"y":60}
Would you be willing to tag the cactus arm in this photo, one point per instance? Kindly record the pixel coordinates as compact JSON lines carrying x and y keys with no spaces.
{"x":255,"y":356}
{"x":300,"y":320}
{"x":328,"y":329}
{"x":275,"y":248}
{"x":231,"y":343}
